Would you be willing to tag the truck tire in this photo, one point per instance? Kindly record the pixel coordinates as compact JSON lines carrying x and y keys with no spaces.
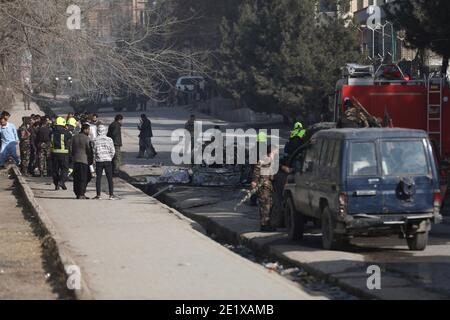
{"x":418,"y":242}
{"x":330,"y":239}
{"x":294,"y":220}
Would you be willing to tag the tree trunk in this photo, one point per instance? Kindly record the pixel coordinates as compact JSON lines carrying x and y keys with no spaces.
{"x":445,"y":61}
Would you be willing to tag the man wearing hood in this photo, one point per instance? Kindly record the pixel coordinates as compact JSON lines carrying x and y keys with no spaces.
{"x":104,"y":152}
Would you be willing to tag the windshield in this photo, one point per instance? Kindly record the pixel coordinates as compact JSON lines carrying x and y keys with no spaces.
{"x":404,"y":158}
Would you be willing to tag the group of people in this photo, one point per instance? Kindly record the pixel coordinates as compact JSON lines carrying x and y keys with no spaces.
{"x":64,"y":146}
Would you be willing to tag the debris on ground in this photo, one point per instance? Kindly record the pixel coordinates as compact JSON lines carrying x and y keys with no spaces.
{"x":176,"y":176}
{"x":211,"y":176}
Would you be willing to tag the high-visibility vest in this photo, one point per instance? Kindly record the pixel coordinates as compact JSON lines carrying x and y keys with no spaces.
{"x":59,"y":140}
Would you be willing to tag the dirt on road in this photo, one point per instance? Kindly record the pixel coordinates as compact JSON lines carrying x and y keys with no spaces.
{"x":27,"y":267}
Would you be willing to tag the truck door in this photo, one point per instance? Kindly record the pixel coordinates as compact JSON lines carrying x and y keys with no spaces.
{"x":363,"y":179}
{"x":304,"y":179}
{"x":407,"y":183}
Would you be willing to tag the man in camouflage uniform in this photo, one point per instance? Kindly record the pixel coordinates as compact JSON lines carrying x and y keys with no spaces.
{"x":44,"y":147}
{"x":263,"y":183}
{"x":25,"y":145}
{"x":354,"y":116}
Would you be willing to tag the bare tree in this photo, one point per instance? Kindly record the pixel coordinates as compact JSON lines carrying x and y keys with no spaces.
{"x":35,"y":40}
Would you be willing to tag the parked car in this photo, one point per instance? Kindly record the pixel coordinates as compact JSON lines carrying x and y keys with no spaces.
{"x":94,"y":101}
{"x":364,"y":182}
{"x":187,"y":83}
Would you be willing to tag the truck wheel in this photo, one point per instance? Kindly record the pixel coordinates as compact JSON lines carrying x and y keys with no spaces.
{"x":331,"y":240}
{"x":418,"y":242}
{"x":294,"y":221}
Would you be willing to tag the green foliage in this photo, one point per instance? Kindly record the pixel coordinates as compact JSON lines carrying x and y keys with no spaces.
{"x":426,"y":23}
{"x":282,"y":56}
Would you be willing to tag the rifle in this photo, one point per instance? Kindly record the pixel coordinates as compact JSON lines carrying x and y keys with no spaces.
{"x":248,"y":195}
{"x":373,"y":121}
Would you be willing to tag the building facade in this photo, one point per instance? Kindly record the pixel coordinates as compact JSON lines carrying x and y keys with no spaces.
{"x":108,"y":18}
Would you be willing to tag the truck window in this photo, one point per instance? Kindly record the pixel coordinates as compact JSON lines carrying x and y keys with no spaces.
{"x":407,"y":157}
{"x":323,"y":153}
{"x":337,"y":153}
{"x":363,"y":160}
{"x":329,"y":158}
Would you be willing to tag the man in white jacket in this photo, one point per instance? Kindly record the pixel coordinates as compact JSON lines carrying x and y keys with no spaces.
{"x":104,"y":153}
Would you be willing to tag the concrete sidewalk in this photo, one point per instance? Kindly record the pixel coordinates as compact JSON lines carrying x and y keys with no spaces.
{"x":137,"y":248}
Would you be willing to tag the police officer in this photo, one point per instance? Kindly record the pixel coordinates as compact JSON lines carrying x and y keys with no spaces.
{"x":296,"y":139}
{"x":25,"y":145}
{"x":60,"y":141}
{"x":262,"y":182}
{"x":71,"y":125}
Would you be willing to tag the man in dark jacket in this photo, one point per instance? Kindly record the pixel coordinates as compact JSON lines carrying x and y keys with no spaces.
{"x":60,"y":141}
{"x":145,"y":138}
{"x":115,"y":133}
{"x":82,"y":158}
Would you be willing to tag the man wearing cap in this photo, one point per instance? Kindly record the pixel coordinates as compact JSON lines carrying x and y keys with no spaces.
{"x":60,"y":142}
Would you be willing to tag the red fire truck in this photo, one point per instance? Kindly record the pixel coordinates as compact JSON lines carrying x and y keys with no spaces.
{"x":416,"y":104}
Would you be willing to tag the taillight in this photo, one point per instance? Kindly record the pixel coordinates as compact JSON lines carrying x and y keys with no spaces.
{"x":343,"y":201}
{"x":437,"y":199}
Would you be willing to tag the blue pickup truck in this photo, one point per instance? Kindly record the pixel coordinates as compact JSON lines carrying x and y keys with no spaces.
{"x":364,"y":182}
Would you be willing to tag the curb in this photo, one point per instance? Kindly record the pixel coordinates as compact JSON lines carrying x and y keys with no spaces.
{"x":62,"y":252}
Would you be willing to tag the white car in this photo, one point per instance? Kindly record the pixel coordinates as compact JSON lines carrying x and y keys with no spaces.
{"x":188,"y":83}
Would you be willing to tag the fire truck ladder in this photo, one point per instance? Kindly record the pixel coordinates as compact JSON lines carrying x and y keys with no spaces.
{"x":434,"y":110}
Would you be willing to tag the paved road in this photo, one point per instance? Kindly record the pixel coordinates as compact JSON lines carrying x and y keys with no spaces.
{"x":407,"y":274}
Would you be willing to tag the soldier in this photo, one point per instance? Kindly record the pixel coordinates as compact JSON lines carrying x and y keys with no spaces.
{"x":353,"y":116}
{"x":44,"y":146}
{"x":27,"y":92}
{"x":263,"y":183}
{"x":25,"y":145}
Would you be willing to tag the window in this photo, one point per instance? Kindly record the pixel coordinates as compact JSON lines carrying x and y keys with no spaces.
{"x":323,"y":153}
{"x":337,"y":154}
{"x":329,"y":158}
{"x":363,"y":160}
{"x":404,"y":158}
